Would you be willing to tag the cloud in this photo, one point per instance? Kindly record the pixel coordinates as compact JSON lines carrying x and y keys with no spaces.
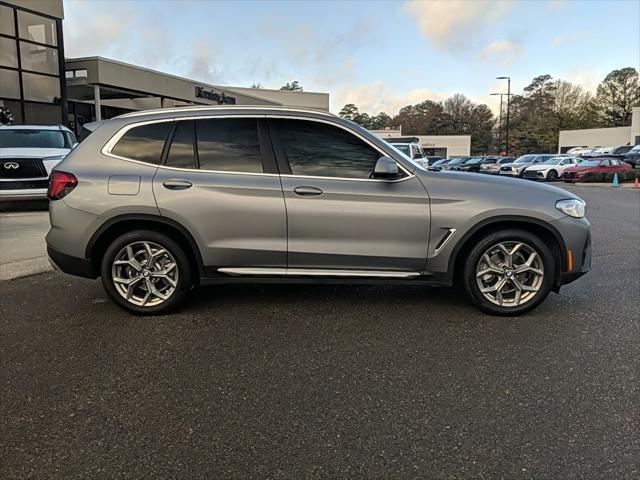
{"x":504,"y":52}
{"x":378,"y":97}
{"x":454,"y":25}
{"x":585,"y":76}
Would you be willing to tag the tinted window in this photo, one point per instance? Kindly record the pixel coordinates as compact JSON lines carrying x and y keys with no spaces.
{"x":28,"y":138}
{"x":143,"y":143}
{"x":181,"y":154}
{"x":229,"y":145}
{"x":322,"y":150}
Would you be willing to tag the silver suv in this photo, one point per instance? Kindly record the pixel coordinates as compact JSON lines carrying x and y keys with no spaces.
{"x":161,"y":201}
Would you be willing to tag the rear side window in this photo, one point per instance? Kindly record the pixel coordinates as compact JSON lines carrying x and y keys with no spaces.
{"x":318,"y":149}
{"x":229,"y":145}
{"x":143,"y":143}
{"x":181,"y":153}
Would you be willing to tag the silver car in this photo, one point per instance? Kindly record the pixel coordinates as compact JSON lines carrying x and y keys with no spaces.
{"x":161,"y":201}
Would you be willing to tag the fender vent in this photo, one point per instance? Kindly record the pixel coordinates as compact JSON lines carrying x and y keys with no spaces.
{"x":443,"y":241}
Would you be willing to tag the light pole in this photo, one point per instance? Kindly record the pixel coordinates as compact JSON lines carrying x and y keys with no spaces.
{"x":508,"y":79}
{"x":499,"y":124}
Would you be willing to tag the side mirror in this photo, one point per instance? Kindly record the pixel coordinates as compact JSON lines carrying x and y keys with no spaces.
{"x":74,"y":145}
{"x":386,"y":167}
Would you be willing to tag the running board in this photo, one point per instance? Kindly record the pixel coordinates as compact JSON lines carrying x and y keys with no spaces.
{"x":308,"y":272}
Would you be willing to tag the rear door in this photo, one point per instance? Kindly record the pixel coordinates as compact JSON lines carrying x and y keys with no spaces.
{"x":340,"y":220}
{"x":219,"y":180}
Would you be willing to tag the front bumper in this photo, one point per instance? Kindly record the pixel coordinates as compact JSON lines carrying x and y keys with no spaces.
{"x":35,"y":189}
{"x":576,"y":234}
{"x":509,"y":173}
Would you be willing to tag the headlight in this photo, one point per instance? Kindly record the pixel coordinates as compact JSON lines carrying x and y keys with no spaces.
{"x":56,"y":158}
{"x":573,"y":207}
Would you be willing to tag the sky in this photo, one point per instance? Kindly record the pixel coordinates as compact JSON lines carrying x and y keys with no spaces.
{"x":380,"y":55}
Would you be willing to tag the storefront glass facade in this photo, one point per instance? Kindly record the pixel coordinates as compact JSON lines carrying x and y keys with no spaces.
{"x":32,"y":83}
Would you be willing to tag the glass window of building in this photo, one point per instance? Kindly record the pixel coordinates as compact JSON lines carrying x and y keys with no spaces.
{"x":40,"y":88}
{"x":9,"y":83}
{"x":37,"y":29}
{"x":7,"y":25}
{"x":8,"y":53}
{"x":39,"y":59}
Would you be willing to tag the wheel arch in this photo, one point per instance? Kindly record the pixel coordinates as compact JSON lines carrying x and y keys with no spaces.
{"x":547,"y":232}
{"x":116,"y":226}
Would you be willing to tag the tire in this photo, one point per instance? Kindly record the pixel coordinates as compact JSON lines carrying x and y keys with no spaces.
{"x":552,"y":176}
{"x":170,"y":276}
{"x":508,"y":303}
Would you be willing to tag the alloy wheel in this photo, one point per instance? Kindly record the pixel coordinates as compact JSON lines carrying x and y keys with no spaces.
{"x":510,"y":273}
{"x":144,"y":273}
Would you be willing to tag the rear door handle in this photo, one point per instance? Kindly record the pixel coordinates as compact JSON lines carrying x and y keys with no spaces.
{"x":307,"y":191}
{"x":177,"y":184}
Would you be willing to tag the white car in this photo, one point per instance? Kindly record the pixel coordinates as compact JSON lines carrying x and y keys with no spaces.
{"x":28,"y":153}
{"x":551,"y":169}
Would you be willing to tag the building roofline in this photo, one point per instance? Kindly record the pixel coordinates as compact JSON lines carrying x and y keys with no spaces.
{"x":177,"y":77}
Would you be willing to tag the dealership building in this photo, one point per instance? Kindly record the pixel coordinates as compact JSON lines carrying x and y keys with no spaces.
{"x":602,"y":137}
{"x":441,"y":145}
{"x":38,"y":85}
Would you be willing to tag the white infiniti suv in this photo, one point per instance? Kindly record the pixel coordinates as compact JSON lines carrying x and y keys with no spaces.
{"x":28,"y":153}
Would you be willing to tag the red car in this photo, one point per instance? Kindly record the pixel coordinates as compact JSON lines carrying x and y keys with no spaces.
{"x":603,"y":165}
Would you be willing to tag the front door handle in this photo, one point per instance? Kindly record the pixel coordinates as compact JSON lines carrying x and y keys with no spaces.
{"x":307,"y":191}
{"x":177,"y":184}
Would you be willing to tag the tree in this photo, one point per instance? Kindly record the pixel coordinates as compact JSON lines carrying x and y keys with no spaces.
{"x":256,"y":85}
{"x":616,"y":96}
{"x":348,"y":111}
{"x":292,"y":87}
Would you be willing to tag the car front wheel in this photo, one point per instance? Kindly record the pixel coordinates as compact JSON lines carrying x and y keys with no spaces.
{"x":552,"y":176}
{"x":509,"y":272}
{"x":146,"y":272}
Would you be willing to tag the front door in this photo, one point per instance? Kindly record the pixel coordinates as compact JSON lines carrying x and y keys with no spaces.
{"x":219,"y":180}
{"x":339,"y":218}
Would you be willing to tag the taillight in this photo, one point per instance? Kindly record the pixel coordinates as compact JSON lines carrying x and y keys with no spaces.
{"x":61,"y":184}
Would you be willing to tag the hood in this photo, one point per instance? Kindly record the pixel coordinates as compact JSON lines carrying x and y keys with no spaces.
{"x":32,"y":152}
{"x":578,"y":168}
{"x":517,"y":165}
{"x":493,"y":182}
{"x":541,"y":167}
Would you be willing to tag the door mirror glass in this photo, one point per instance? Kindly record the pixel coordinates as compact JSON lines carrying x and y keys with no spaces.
{"x":386,"y":167}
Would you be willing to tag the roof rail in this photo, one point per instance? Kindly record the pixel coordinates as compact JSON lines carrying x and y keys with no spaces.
{"x":204,"y":108}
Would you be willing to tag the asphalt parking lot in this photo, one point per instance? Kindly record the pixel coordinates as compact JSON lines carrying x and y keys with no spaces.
{"x":330,"y":382}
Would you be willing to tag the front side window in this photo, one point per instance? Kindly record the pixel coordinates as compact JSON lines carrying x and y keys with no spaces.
{"x":321,"y":150}
{"x":181,"y":153}
{"x":229,"y":145}
{"x":143,"y":143}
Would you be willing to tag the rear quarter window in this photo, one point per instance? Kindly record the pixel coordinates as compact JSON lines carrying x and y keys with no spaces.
{"x":144,"y":143}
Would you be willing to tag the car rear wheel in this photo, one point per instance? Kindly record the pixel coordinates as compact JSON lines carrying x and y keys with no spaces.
{"x":552,"y":176}
{"x":146,"y":272}
{"x":509,"y":272}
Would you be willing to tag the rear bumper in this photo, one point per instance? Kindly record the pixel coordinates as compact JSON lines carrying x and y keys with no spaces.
{"x":80,"y":267}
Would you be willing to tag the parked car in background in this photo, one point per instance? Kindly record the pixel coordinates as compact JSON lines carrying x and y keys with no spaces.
{"x":603,"y":165}
{"x":576,"y":150}
{"x":454,"y":162}
{"x":492,"y":165}
{"x":470,"y":165}
{"x":621,"y":150}
{"x":551,"y":169}
{"x":440,"y":163}
{"x":434,"y":158}
{"x":580,"y":152}
{"x":516,"y":168}
{"x":28,"y":153}
{"x":159,"y":202}
{"x":632,"y":159}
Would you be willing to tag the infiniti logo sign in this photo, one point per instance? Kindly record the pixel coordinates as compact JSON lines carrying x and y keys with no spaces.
{"x":12,"y":165}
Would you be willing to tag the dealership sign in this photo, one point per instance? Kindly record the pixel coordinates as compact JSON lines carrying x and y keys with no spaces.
{"x":219,"y":98}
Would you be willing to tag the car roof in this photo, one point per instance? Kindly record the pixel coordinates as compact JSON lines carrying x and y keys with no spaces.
{"x":222,"y":109}
{"x":24,"y":126}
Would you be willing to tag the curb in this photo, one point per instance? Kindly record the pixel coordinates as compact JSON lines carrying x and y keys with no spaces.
{"x":24,"y":268}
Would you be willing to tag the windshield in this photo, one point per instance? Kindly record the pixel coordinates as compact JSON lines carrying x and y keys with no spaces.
{"x":473,"y":161}
{"x":553,"y":161}
{"x":525,"y":159}
{"x":590,"y":163}
{"x":456,"y":161}
{"x":23,"y":138}
{"x":403,"y":147}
